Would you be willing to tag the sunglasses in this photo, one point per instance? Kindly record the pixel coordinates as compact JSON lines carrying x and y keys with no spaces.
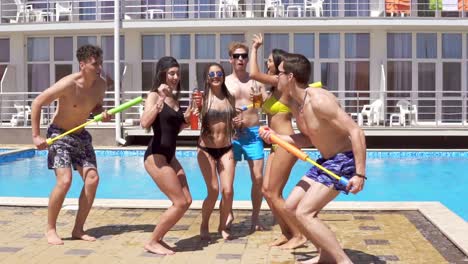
{"x":215,"y":74}
{"x":238,"y":55}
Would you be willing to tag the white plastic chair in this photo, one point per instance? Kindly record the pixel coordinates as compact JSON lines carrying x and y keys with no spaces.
{"x":404,"y":109}
{"x":152,"y":13}
{"x":370,"y":112}
{"x":276,"y":6}
{"x":63,"y":8}
{"x":23,"y":112}
{"x":227,"y":8}
{"x":316,"y":5}
{"x":23,"y":10}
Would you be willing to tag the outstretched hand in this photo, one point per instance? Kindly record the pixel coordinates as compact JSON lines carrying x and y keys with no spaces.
{"x":355,"y":184}
{"x":257,"y":41}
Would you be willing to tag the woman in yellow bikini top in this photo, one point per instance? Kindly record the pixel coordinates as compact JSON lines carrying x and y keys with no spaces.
{"x":272,"y":106}
{"x":279,"y":162}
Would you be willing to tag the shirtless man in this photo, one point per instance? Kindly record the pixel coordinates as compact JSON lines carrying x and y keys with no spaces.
{"x":341,"y":144}
{"x":78,"y":94}
{"x":246,"y":143}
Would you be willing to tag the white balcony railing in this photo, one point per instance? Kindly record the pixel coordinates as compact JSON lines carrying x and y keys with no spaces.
{"x":403,"y":109}
{"x":45,"y":11}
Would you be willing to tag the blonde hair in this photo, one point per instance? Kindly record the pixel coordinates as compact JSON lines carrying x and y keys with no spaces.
{"x":237,"y":45}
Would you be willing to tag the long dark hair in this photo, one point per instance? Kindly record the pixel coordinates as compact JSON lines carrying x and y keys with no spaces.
{"x":278,"y":57}
{"x":207,"y":102}
{"x":164,"y":64}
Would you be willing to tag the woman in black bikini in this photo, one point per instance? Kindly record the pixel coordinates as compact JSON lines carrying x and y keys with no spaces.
{"x":163,"y":113}
{"x":215,"y":155}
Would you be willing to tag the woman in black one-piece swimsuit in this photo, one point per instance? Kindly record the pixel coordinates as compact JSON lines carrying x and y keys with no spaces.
{"x":162,"y":113}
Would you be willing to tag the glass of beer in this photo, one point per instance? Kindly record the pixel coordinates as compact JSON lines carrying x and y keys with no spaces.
{"x":257,"y":96}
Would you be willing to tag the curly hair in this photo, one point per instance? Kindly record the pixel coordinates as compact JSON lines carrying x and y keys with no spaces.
{"x":237,"y":45}
{"x":86,"y":52}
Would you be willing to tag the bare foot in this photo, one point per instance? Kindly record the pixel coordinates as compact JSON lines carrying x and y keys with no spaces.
{"x":164,"y":244}
{"x":279,"y":241}
{"x":204,"y":234}
{"x":257,"y":227}
{"x":229,"y":221}
{"x":83,"y":236}
{"x":225,"y":234}
{"x":314,"y":260}
{"x":53,"y":238}
{"x":157,"y":248}
{"x":294,"y":243}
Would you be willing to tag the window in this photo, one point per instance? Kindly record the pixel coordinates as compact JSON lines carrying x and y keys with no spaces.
{"x":180,"y":46}
{"x":451,"y":46}
{"x":329,"y":45}
{"x":399,"y":45}
{"x":154,"y":47}
{"x":63,"y":57}
{"x":275,"y":41}
{"x":304,"y":43}
{"x":329,"y":54}
{"x":426,"y":45}
{"x":355,"y":8}
{"x":205,"y":46}
{"x":5,"y":48}
{"x":399,"y":69}
{"x":38,"y":60}
{"x":4,"y":55}
{"x":357,"y":46}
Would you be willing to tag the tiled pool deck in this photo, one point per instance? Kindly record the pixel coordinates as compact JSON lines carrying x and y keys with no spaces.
{"x":368,"y":236}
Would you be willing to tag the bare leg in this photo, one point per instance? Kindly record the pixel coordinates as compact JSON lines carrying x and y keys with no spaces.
{"x":57,"y":196}
{"x":225,"y":169}
{"x":171,"y":180}
{"x":280,"y":168}
{"x":91,"y":180}
{"x":316,"y":197}
{"x":208,"y":169}
{"x":256,"y":173}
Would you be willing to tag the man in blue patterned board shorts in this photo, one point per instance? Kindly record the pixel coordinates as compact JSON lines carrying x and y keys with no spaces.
{"x":341,"y":143}
{"x":78,"y":95}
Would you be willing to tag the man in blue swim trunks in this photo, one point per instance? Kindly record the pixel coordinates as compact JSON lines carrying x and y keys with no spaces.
{"x":247,"y":143}
{"x":341,"y":144}
{"x":78,"y":95}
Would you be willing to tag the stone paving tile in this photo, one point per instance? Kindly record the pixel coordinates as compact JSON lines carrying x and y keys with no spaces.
{"x":368,"y":237}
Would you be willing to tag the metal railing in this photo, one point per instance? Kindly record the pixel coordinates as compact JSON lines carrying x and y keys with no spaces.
{"x":403,"y":109}
{"x":45,"y":11}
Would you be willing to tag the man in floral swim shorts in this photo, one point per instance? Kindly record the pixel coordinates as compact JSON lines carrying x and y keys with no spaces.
{"x":78,"y":95}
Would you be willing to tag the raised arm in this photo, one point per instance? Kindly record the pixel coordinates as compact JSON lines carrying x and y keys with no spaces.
{"x":45,"y":98}
{"x":254,"y":69}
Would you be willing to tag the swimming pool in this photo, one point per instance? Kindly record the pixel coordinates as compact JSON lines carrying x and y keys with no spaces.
{"x":393,"y":176}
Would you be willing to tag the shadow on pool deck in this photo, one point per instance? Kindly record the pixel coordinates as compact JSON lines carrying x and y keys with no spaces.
{"x":367,"y":236}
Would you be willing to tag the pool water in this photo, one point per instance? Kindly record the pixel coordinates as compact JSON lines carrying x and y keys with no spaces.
{"x":393,"y":176}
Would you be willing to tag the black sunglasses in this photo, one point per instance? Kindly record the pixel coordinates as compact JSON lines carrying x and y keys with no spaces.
{"x":217,"y":74}
{"x":238,"y":55}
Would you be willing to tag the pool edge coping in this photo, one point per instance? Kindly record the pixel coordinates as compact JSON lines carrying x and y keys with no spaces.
{"x":449,"y":223}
